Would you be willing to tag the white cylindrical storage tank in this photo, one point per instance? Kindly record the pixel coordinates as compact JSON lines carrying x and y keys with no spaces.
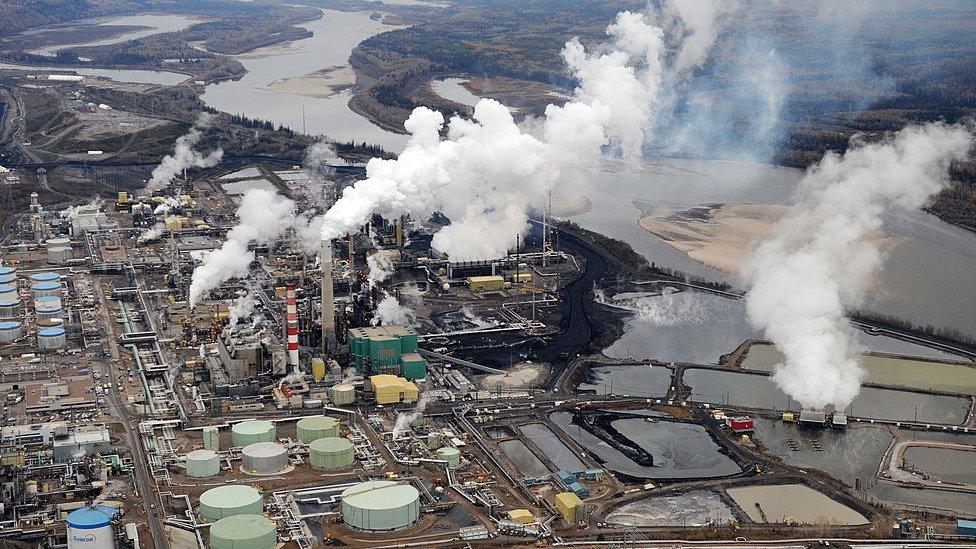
{"x":380,"y":505}
{"x":202,"y":463}
{"x":91,"y":528}
{"x":8,"y":275}
{"x":10,"y":331}
{"x":44,"y":289}
{"x":211,"y":438}
{"x":249,"y":432}
{"x":59,"y":255}
{"x":316,"y":427}
{"x":230,"y":500}
{"x":243,"y":532}
{"x":451,"y":455}
{"x":331,"y":453}
{"x":343,"y":393}
{"x":10,"y":308}
{"x":37,"y":278}
{"x":48,"y":313}
{"x":9,"y":291}
{"x":57,"y":242}
{"x":265,"y":458}
{"x":49,"y":339}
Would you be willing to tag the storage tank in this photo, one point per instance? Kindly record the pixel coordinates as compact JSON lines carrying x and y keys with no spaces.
{"x":59,"y":255}
{"x":331,"y":453}
{"x":433,"y":441}
{"x":49,"y":312}
{"x":318,"y":369}
{"x":49,"y":339}
{"x":91,"y":528}
{"x":48,"y":302}
{"x":379,"y":505}
{"x":8,"y":291}
{"x":202,"y":463}
{"x":265,"y":458}
{"x":10,"y":308}
{"x":316,"y":427}
{"x":249,"y":432}
{"x":343,"y":393}
{"x":8,"y":275}
{"x":243,"y":532}
{"x":230,"y":500}
{"x":211,"y":438}
{"x":42,"y":289}
{"x":38,"y":278}
{"x":451,"y":455}
{"x":10,"y":331}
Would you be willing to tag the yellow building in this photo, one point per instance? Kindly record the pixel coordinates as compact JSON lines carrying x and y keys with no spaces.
{"x":485,"y":283}
{"x":522,"y":278}
{"x":390,"y":389}
{"x":523,"y":516}
{"x":567,"y":503}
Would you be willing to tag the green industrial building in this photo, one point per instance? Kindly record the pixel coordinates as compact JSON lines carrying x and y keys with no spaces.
{"x":386,"y":350}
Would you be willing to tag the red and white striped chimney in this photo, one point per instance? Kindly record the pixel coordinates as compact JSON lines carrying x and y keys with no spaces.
{"x":292,"y":326}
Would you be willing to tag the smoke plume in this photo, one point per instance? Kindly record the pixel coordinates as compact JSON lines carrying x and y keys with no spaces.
{"x":151,"y":234}
{"x":489,"y":171}
{"x":390,"y":312}
{"x":264,"y":217}
{"x":405,"y":419}
{"x":242,"y":307}
{"x":380,"y":268}
{"x":817,"y":263}
{"x":184,"y":156}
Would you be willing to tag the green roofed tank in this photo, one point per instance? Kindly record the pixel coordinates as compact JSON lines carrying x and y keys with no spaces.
{"x":227,"y":501}
{"x":316,"y":427}
{"x":243,"y":532}
{"x":331,"y":453}
{"x":380,"y":505}
{"x":249,"y":432}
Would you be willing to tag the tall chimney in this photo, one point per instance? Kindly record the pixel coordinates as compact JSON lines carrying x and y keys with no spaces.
{"x":329,"y":344}
{"x":292,"y":326}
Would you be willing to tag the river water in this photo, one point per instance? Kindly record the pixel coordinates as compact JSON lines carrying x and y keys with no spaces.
{"x":157,"y":23}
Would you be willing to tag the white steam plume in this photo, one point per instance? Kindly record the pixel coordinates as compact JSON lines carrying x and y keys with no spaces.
{"x":264,"y":217}
{"x":390,"y":312}
{"x":152,"y":233}
{"x":488,"y":172}
{"x":184,"y":156}
{"x":816,"y":265}
{"x":242,"y":307}
{"x":405,"y":419}
{"x":380,"y":268}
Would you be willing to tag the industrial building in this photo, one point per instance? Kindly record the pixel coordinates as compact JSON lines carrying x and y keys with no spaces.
{"x":386,"y":350}
{"x":390,"y":389}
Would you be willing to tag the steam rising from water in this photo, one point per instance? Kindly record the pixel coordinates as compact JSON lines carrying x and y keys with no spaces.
{"x":816,"y":265}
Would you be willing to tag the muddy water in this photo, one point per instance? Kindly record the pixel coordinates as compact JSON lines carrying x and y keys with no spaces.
{"x":958,"y":466}
{"x":525,"y":461}
{"x":758,"y":391}
{"x":903,"y":372}
{"x":792,"y":503}
{"x":697,"y":508}
{"x":163,"y":78}
{"x":635,"y":380}
{"x":453,"y":90}
{"x":680,"y":450}
{"x":552,"y":447}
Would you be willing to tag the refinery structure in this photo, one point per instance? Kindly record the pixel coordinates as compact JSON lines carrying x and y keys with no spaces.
{"x":367,"y":391}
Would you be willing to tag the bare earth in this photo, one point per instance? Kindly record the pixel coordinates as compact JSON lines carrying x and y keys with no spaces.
{"x":323,"y":83}
{"x":723,"y":238}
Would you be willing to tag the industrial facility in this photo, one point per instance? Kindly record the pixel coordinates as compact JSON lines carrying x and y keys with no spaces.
{"x":370,"y":390}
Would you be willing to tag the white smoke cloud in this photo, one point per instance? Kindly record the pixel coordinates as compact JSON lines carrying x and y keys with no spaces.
{"x":390,"y":312}
{"x":380,"y":268}
{"x":405,"y":419}
{"x":184,"y":156}
{"x":488,"y":171}
{"x":698,"y":21}
{"x":264,"y":217}
{"x":152,"y":233}
{"x":242,"y":307}
{"x":817,"y":263}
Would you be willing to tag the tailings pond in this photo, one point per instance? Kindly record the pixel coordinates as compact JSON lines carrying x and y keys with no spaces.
{"x":792,"y":503}
{"x":946,"y":464}
{"x":527,"y":463}
{"x":698,"y":508}
{"x":632,"y":380}
{"x":677,"y":450}
{"x":552,"y":447}
{"x":758,"y":391}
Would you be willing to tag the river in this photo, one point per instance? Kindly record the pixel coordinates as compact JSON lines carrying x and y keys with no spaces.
{"x":156,"y":23}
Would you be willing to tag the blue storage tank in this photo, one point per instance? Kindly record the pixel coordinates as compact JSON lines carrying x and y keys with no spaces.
{"x":966,"y":527}
{"x":91,"y":528}
{"x":42,"y":289}
{"x":45,"y":277}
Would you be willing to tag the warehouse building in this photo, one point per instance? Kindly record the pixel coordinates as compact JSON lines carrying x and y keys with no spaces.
{"x":390,"y":389}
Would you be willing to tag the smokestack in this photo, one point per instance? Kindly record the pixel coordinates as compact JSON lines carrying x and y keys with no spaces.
{"x":292,"y":326}
{"x":329,"y":344}
{"x":399,"y":231}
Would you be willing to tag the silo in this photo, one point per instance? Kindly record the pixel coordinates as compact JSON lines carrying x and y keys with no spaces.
{"x":10,"y":308}
{"x":343,"y":393}
{"x":249,"y":432}
{"x":10,"y":331}
{"x":211,"y":438}
{"x":43,"y":289}
{"x":318,"y":369}
{"x":9,"y":291}
{"x":380,"y":505}
{"x":49,"y":339}
{"x":230,"y":500}
{"x":331,"y":453}
{"x":243,"y":532}
{"x":202,"y":463}
{"x":451,"y":455}
{"x":316,"y":427}
{"x":91,"y":528}
{"x":265,"y":458}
